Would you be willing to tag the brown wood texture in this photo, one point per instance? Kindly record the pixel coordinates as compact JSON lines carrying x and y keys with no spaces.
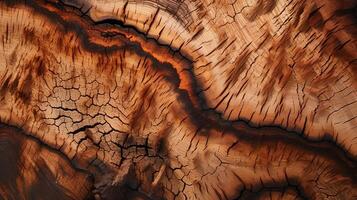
{"x":178,"y":99}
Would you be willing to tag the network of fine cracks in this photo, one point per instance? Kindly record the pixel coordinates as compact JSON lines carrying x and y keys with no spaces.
{"x":126,"y":110}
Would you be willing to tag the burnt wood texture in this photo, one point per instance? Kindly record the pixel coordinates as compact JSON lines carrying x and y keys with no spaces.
{"x":178,"y":99}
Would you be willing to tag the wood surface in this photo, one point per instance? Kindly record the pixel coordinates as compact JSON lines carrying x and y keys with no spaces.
{"x":178,"y":99}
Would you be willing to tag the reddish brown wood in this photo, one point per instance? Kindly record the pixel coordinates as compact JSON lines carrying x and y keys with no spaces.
{"x":178,"y":99}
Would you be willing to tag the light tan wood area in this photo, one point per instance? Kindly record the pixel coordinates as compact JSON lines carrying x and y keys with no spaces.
{"x":164,"y":99}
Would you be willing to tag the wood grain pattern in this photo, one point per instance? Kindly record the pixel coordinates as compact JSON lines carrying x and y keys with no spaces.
{"x":141,"y":99}
{"x":31,"y":170}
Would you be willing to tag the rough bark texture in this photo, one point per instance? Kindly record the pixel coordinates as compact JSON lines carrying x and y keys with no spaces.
{"x":144,"y":99}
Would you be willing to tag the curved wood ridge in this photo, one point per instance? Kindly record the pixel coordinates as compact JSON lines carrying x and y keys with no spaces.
{"x":178,"y":99}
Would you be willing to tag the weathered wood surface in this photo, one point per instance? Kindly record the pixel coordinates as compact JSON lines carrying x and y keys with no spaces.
{"x":140,"y":99}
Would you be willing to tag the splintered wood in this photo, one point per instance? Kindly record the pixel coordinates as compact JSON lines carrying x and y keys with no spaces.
{"x":181,"y":99}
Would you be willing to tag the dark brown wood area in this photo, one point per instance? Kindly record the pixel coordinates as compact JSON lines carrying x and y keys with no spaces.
{"x":206,"y":100}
